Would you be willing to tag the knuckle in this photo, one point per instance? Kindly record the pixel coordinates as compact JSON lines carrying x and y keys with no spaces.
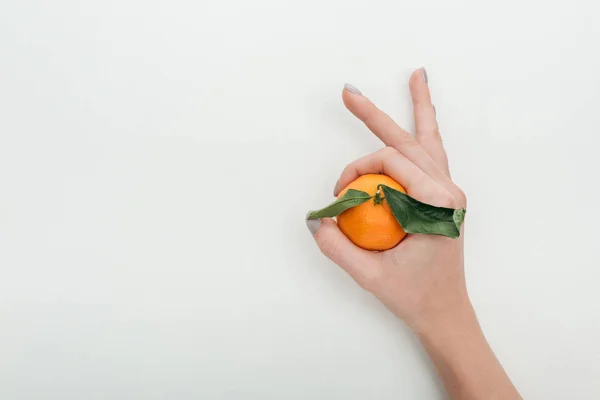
{"x":405,"y":139}
{"x":372,"y":278}
{"x":327,"y":246}
{"x":446,"y":199}
{"x":348,"y":169}
{"x":422,"y":181}
{"x":389,"y":151}
{"x":461,"y":198}
{"x":430,"y":138}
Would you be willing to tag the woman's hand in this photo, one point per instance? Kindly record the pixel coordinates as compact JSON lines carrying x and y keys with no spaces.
{"x":423,"y":276}
{"x":421,"y":280}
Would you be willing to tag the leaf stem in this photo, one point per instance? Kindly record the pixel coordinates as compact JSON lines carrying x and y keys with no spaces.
{"x":377,"y":199}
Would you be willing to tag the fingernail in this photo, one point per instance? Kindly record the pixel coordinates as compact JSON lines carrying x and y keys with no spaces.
{"x":434,"y":110}
{"x":424,"y":75}
{"x":352,"y":89}
{"x":335,"y":188}
{"x":313,"y":224}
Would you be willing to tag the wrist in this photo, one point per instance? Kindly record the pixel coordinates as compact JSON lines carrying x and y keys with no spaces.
{"x":452,"y":316}
{"x":456,"y":344}
{"x":453,"y":333}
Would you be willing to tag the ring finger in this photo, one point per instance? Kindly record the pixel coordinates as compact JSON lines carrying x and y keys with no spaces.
{"x":391,"y":162}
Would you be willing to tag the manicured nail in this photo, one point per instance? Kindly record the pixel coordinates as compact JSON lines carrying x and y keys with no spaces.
{"x":352,"y":89}
{"x":313,"y":224}
{"x":424,"y":75}
{"x":335,"y":188}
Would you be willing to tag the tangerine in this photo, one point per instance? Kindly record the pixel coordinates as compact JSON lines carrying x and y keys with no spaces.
{"x":371,"y":225}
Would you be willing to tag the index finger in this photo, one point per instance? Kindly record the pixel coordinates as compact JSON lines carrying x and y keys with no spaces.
{"x":391,"y":134}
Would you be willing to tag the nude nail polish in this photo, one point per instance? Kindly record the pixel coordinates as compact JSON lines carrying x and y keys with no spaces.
{"x":352,"y":89}
{"x":313,"y":225}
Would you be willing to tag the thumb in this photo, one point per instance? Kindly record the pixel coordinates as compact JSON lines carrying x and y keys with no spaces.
{"x":362,"y":265}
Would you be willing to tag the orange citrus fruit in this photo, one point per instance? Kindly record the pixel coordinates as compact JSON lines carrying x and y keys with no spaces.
{"x":369,"y":225}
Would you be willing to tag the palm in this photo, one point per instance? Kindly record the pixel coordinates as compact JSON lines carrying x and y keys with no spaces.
{"x":419,"y":265}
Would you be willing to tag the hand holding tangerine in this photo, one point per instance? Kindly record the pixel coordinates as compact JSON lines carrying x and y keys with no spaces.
{"x":419,"y":277}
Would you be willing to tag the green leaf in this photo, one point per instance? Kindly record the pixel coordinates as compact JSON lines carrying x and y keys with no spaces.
{"x":351,"y":198}
{"x":417,"y":217}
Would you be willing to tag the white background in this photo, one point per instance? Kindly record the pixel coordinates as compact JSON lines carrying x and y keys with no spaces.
{"x":157,"y":159}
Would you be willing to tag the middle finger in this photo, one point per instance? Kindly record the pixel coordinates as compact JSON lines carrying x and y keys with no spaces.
{"x":392,"y":135}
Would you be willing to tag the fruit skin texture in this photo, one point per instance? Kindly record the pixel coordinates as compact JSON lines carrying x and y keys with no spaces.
{"x":369,"y":225}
